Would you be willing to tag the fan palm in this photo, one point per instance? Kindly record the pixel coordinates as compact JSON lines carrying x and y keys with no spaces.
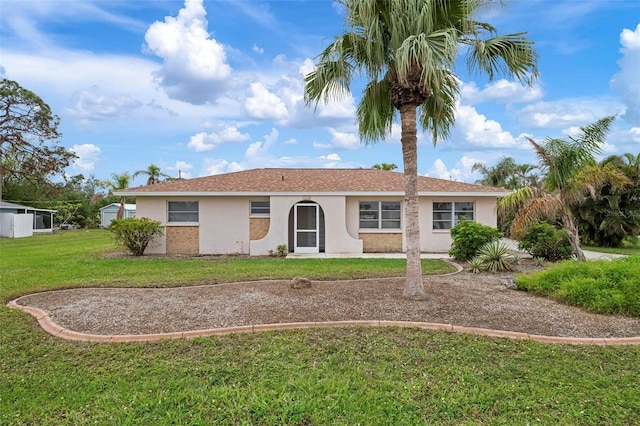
{"x":407,"y":50}
{"x":570,"y":174}
{"x":153,"y":173}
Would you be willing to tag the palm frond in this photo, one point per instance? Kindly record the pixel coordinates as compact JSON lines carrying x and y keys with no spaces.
{"x":375,"y":112}
{"x":516,"y":199}
{"x":545,"y":206}
{"x":437,"y":113}
{"x":510,"y":54}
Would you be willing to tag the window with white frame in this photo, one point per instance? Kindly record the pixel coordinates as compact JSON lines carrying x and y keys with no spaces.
{"x":260,"y":208}
{"x":380,"y":214}
{"x":448,"y":214}
{"x":182,"y":211}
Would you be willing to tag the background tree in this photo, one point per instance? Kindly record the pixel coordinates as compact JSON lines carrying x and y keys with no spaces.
{"x":570,"y":174}
{"x":612,"y":213}
{"x":511,"y":175}
{"x":154,"y":175}
{"x":506,"y":174}
{"x":117,"y":182}
{"x":385,"y":166}
{"x":407,"y":50}
{"x":29,"y":145}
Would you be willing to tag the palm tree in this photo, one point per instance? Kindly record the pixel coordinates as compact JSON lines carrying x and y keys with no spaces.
{"x":407,"y":49}
{"x":117,"y":182}
{"x":154,"y":174}
{"x":571,"y":173}
{"x":613,"y":214}
{"x":385,"y":166}
{"x":506,"y":174}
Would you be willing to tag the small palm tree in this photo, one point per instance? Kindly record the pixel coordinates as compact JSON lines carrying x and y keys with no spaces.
{"x":154,"y":175}
{"x":117,"y":182}
{"x":385,"y":166}
{"x":570,"y":174}
{"x":407,"y":50}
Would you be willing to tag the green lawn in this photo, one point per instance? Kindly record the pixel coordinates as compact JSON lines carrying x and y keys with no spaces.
{"x":325,"y":376}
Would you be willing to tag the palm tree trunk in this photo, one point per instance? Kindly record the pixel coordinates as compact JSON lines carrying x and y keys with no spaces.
{"x":572,"y":234}
{"x":414,"y":286}
{"x":120,"y":213}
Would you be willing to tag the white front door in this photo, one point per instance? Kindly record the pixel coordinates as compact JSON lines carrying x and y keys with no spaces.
{"x":306,"y":225}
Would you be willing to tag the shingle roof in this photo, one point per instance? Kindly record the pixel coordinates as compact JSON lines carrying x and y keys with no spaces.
{"x":307,"y":181}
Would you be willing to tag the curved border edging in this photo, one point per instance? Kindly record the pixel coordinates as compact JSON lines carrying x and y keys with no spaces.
{"x":55,"y":330}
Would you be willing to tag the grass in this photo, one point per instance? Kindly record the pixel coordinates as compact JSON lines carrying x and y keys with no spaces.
{"x":604,"y":286}
{"x":317,"y":377}
{"x":630,"y":247}
{"x":75,"y":259}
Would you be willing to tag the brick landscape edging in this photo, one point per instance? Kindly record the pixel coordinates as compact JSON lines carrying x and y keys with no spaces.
{"x":55,"y":330}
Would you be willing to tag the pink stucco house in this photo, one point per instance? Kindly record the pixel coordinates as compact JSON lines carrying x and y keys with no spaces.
{"x":336,"y":211}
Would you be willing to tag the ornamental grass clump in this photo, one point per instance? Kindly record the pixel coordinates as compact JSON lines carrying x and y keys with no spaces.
{"x":495,"y":256}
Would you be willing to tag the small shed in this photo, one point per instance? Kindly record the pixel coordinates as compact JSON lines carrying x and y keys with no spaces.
{"x":110,"y":212}
{"x":23,"y":221}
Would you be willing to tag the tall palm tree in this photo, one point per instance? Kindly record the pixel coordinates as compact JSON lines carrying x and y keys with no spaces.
{"x":154,"y":174}
{"x":407,"y":50}
{"x":570,"y":174}
{"x":385,"y":166}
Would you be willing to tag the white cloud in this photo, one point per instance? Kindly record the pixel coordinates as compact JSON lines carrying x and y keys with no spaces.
{"x":259,"y":150}
{"x":201,"y":142}
{"x":501,"y":91}
{"x":340,"y":140}
{"x":568,"y":112}
{"x":460,"y":172}
{"x":627,"y":81}
{"x":195,"y":66}
{"x":291,"y":141}
{"x":218,"y":166}
{"x":257,"y":49}
{"x":92,"y":105}
{"x":478,"y":131}
{"x":87,"y":156}
{"x":264,"y":105}
{"x":182,"y":169}
{"x":439,"y":170}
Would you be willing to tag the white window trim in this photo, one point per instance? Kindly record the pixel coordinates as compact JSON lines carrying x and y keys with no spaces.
{"x":251,"y":214}
{"x":380,"y":229}
{"x":182,"y":222}
{"x":453,"y":210}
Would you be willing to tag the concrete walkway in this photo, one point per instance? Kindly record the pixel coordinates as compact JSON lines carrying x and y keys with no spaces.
{"x":512,"y":244}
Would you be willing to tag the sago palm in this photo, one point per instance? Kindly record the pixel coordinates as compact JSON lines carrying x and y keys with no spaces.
{"x":407,"y":50}
{"x":570,"y":174}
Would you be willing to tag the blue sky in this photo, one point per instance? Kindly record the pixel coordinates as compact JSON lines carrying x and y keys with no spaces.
{"x":204,"y":87}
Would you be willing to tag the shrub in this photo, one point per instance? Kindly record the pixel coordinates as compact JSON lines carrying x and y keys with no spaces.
{"x":467,"y":238}
{"x":547,"y":242}
{"x":136,"y":233}
{"x":494,"y":256}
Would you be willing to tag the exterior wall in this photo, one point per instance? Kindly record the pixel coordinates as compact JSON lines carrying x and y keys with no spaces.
{"x":439,"y":241}
{"x":258,"y":227}
{"x":225,"y":226}
{"x":182,"y":239}
{"x":381,"y":243}
{"x":337,"y":239}
{"x":375,"y":240}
